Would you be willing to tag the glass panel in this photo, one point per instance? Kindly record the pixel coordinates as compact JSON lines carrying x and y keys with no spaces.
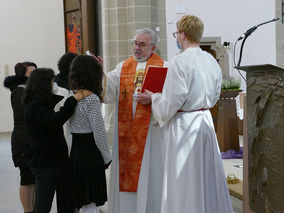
{"x":73,"y":32}
{"x":72,"y":4}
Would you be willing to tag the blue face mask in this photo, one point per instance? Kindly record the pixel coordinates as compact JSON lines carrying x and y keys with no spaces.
{"x":178,"y":45}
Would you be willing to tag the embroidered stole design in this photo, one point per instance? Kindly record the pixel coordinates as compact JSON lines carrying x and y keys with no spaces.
{"x":132,"y":134}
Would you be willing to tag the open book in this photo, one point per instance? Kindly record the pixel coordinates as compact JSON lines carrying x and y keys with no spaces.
{"x":154,"y":79}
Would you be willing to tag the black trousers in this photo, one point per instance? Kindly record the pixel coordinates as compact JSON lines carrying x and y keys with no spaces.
{"x":45,"y":185}
{"x":63,"y":190}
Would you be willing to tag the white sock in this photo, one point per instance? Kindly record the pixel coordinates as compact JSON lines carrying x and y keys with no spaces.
{"x":90,"y":208}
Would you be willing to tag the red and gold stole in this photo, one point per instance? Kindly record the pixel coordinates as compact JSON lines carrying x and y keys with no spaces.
{"x":132,"y":133}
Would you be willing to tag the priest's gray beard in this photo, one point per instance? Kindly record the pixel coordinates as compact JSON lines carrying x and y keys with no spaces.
{"x":143,"y":59}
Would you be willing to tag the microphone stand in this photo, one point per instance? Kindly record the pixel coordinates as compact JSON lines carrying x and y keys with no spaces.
{"x":247,"y":34}
{"x":241,"y":51}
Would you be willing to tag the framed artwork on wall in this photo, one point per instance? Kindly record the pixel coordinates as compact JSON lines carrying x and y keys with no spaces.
{"x":73,"y":23}
{"x":81,"y":26}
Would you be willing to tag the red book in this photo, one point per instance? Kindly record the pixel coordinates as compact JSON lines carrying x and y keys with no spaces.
{"x":155,"y":79}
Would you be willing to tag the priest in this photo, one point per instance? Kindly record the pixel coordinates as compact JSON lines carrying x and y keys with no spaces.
{"x":137,"y":165}
{"x":194,"y":179}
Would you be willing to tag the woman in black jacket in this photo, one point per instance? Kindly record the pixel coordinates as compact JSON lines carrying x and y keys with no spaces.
{"x":47,"y":145}
{"x":16,"y":84}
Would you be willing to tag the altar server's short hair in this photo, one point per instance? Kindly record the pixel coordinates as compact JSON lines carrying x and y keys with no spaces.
{"x":192,"y":26}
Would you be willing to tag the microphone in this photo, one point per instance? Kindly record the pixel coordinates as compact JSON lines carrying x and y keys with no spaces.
{"x":247,"y":33}
{"x":252,"y":29}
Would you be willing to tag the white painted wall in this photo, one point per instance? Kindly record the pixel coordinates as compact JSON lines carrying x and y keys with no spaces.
{"x":229,"y":20}
{"x":31,"y":30}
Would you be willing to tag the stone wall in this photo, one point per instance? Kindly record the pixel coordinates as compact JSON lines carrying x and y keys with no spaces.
{"x":265,"y":117}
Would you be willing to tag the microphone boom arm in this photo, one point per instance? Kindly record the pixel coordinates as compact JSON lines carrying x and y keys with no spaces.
{"x":275,"y":19}
{"x":247,"y":34}
{"x":252,"y":29}
{"x":241,"y":51}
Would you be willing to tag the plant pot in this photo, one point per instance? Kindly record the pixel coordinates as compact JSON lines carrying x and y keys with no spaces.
{"x":229,"y":93}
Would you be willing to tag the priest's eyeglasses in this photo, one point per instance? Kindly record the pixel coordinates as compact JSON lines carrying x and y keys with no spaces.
{"x":140,"y":44}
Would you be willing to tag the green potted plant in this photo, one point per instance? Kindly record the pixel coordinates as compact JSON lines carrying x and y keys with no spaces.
{"x":230,"y":88}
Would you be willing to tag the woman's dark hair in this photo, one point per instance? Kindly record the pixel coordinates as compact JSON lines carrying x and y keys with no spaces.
{"x":64,"y":63}
{"x":29,"y":64}
{"x":86,"y":73}
{"x":21,"y":68}
{"x":39,"y":85}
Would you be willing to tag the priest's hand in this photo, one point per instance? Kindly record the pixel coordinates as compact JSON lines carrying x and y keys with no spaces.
{"x":145,"y":98}
{"x":98,"y":58}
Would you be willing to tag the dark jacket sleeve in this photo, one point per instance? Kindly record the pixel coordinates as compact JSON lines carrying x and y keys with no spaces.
{"x":18,"y":110}
{"x":46,"y":116}
{"x":11,"y":82}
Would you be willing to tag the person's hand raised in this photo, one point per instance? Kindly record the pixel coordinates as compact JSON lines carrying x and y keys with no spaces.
{"x":98,"y":58}
{"x":81,"y":94}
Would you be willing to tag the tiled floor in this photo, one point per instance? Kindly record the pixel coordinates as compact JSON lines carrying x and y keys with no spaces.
{"x":9,"y":180}
{"x":234,"y":166}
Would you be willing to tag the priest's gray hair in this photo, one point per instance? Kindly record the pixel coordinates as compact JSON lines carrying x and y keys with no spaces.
{"x":155,"y":37}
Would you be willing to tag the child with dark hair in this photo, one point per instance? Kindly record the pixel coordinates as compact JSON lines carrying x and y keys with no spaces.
{"x":62,"y":201}
{"x":19,"y":142}
{"x":62,"y":88}
{"x":64,"y":67}
{"x":47,"y":146}
{"x":90,"y":154}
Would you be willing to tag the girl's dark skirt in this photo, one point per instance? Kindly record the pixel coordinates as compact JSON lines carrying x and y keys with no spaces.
{"x":87,"y":172}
